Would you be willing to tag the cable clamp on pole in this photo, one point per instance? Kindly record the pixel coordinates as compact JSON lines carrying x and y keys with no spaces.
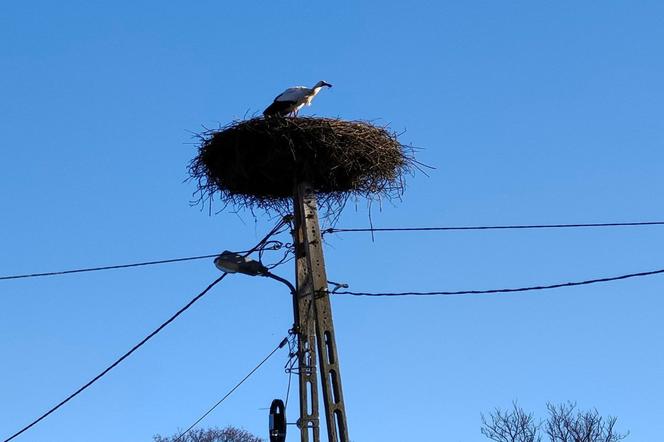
{"x":337,"y":286}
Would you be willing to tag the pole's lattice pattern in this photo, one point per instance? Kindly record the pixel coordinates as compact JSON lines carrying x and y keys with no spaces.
{"x":304,"y":326}
{"x":312,"y":284}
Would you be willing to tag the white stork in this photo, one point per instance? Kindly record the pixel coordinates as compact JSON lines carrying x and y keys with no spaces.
{"x":293,"y":99}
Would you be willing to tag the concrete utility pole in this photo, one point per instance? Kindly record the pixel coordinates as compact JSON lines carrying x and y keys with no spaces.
{"x":314,"y":327}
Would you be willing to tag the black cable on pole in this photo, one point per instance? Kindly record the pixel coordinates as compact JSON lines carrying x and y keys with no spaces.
{"x":281,"y":345}
{"x":144,"y":340}
{"x":292,"y":360}
{"x":290,"y":376}
{"x":503,"y":227}
{"x":508,"y":290}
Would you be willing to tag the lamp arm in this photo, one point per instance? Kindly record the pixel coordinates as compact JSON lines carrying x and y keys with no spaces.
{"x":284,"y":281}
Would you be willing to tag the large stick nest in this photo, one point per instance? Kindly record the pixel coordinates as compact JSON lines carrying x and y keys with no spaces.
{"x":256,"y":163}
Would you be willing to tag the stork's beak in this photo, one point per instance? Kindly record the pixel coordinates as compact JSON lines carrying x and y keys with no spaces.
{"x":327,"y":84}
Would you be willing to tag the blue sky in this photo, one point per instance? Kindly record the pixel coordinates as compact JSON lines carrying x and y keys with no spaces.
{"x":530,"y":112}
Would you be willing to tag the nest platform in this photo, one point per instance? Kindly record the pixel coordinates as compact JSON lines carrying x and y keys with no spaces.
{"x":256,"y":163}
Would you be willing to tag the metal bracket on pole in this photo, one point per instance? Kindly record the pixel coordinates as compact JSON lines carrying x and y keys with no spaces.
{"x":312,"y":292}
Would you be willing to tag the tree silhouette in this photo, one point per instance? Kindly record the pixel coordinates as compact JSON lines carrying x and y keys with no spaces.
{"x":228,"y":434}
{"x":564,"y":424}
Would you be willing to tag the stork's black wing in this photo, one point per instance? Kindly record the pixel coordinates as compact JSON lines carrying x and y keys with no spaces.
{"x":280,"y":108}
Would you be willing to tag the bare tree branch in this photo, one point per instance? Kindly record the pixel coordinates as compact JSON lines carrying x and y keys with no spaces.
{"x":566,"y":424}
{"x":514,"y":425}
{"x":228,"y":434}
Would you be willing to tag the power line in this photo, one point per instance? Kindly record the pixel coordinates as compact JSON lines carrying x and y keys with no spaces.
{"x":499,"y":227}
{"x":509,"y":290}
{"x":338,"y":230}
{"x":111,"y":267}
{"x":275,"y":246}
{"x":118,"y":361}
{"x":272,"y":232}
{"x":292,"y":360}
{"x":281,"y":345}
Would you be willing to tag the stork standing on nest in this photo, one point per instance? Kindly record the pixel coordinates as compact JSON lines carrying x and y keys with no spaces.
{"x":290,"y":101}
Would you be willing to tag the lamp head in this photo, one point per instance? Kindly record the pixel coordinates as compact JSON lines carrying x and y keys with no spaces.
{"x":231,"y":262}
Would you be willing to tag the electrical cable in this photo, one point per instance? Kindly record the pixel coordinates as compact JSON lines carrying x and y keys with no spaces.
{"x":290,"y":376}
{"x":118,"y":361}
{"x":281,"y":345}
{"x":507,"y":290}
{"x":335,"y":230}
{"x":144,"y":340}
{"x":268,"y":245}
{"x":503,"y":227}
{"x":292,"y":360}
{"x":111,"y":267}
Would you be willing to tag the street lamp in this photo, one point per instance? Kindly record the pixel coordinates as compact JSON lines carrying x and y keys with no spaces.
{"x":231,"y":262}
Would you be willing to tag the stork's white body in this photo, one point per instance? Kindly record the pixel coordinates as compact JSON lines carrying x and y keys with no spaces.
{"x":293,"y":99}
{"x":300,"y":95}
